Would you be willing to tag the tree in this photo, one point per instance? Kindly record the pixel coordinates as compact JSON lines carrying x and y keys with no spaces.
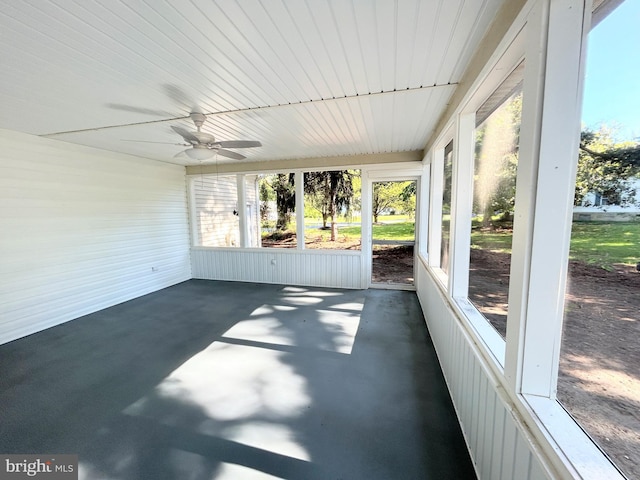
{"x":266,"y":195}
{"x":496,"y":162}
{"x":387,"y":196}
{"x":606,"y":167}
{"x":408,"y":198}
{"x":332,"y":193}
{"x":280,"y":187}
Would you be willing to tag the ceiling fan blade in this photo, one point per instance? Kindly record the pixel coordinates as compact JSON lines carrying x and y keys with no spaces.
{"x":186,"y":134}
{"x":144,"y":111}
{"x":230,"y":154}
{"x":240,"y":144}
{"x":147,"y":141}
{"x":181,"y":98}
{"x":182,"y":154}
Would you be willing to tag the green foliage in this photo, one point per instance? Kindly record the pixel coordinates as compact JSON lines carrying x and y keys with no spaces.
{"x":447,"y":183}
{"x":330,"y":193}
{"x":266,"y":195}
{"x":409,"y":191}
{"x":606,"y":167}
{"x":497,"y":140}
{"x":281,"y":187}
{"x":389,"y":196}
{"x":265,"y":190}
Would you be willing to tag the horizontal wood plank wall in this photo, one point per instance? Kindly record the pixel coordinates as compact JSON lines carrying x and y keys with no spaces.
{"x":216,"y":203}
{"x":498,"y":447}
{"x":83,"y":229}
{"x":327,"y":268}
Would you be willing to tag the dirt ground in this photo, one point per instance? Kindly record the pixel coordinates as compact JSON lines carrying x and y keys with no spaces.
{"x":599,"y":376}
{"x":392,"y":264}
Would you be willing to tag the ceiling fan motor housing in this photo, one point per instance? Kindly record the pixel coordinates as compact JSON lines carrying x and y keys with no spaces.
{"x":198,"y":119}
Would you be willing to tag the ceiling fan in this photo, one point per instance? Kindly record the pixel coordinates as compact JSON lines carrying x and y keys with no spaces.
{"x":203,"y":145}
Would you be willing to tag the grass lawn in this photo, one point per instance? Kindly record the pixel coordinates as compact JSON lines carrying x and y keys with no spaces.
{"x":401,"y":231}
{"x":594,"y":243}
{"x":604,"y":244}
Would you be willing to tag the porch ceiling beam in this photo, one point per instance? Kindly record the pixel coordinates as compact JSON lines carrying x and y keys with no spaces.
{"x":308,"y":163}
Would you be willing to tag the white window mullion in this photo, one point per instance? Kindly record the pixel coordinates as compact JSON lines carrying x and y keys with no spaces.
{"x":366,"y":229}
{"x":461,"y":205}
{"x":299,"y":185}
{"x":241,"y":210}
{"x":435,"y":230}
{"x":542,"y":247}
{"x":423,"y":209}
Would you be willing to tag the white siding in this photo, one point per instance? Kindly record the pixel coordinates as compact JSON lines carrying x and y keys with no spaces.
{"x":499,"y":448}
{"x":292,"y":267}
{"x":216,"y":200}
{"x":83,"y":229}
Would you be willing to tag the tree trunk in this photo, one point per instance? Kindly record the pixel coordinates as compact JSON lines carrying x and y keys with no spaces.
{"x":334,"y":225}
{"x":486,"y":217}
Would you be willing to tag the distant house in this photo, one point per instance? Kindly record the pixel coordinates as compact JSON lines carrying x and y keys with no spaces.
{"x":596,"y":207}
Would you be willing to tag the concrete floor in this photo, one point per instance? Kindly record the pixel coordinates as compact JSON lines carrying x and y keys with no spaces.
{"x":218,"y":380}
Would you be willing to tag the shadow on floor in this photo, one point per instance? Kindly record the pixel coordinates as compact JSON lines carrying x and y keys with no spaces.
{"x":232,"y":380}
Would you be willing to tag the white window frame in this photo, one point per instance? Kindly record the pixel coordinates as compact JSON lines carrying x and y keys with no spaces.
{"x":436,"y":161}
{"x":551,"y":36}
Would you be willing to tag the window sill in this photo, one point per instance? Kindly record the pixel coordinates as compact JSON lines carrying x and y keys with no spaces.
{"x":580,"y":457}
{"x":483,"y":330}
{"x":286,"y":251}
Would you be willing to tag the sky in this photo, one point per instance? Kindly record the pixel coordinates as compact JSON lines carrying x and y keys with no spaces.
{"x":612,"y":82}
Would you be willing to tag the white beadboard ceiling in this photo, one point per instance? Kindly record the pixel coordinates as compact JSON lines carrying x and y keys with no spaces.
{"x":314,"y":78}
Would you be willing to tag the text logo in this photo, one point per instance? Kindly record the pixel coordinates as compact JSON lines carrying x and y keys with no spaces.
{"x":49,"y":467}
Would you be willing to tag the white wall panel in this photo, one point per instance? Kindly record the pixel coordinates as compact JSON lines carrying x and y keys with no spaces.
{"x":498,"y":447}
{"x":316,"y":268}
{"x":216,"y":204}
{"x":83,"y":229}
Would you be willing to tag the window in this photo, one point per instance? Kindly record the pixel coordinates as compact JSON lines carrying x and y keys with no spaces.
{"x":332,"y":202}
{"x":277,"y":194}
{"x":446,"y":208}
{"x":494,"y":188}
{"x":599,"y":375}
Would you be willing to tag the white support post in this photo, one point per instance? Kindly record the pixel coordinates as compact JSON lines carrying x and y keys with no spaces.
{"x":299,"y":184}
{"x":423,"y":209}
{"x":365,"y":228}
{"x":241,"y":210}
{"x":556,"y":35}
{"x":461,"y":205}
{"x":193,"y":214}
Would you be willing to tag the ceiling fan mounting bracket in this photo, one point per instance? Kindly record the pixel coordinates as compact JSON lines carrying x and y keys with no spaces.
{"x":198,"y":119}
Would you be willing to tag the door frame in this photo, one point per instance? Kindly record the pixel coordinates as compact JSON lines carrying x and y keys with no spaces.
{"x":368,"y":179}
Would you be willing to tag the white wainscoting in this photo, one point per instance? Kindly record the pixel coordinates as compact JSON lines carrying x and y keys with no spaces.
{"x":498,"y":446}
{"x":317,"y":268}
{"x":83,"y":229}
